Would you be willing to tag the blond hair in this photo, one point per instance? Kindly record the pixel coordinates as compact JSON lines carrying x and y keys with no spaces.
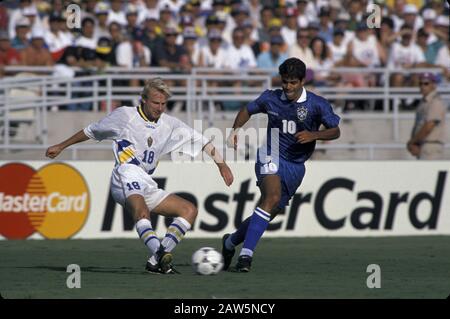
{"x":155,"y":84}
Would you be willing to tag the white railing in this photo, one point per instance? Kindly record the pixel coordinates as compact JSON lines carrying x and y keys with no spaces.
{"x":196,"y":89}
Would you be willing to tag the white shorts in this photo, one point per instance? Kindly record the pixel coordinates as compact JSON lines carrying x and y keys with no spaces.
{"x":129,"y":179}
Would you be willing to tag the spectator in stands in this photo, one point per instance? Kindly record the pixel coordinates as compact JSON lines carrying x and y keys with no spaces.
{"x":441,"y":31}
{"x":385,"y":34}
{"x":171,"y":55}
{"x":214,"y":55}
{"x":411,"y":17}
{"x":240,"y":54}
{"x":101,"y":14}
{"x":321,"y":60}
{"x":105,"y":55}
{"x":116,"y":35}
{"x":32,"y":14}
{"x":355,"y":12}
{"x":152,"y":36}
{"x":443,"y":60}
{"x":301,"y":49}
{"x":8,"y":55}
{"x":364,"y":51}
{"x":326,"y":27}
{"x":149,"y":9}
{"x":422,"y":42}
{"x":429,"y":17}
{"x":36,"y":54}
{"x":20,"y":41}
{"x":429,"y":131}
{"x":15,"y":16}
{"x":250,"y":36}
{"x":55,"y":39}
{"x":338,"y":48}
{"x":406,"y":55}
{"x":132,"y":27}
{"x":289,"y":30}
{"x":131,"y":53}
{"x":166,"y":17}
{"x":304,"y":17}
{"x":87,"y":38}
{"x":190,"y":44}
{"x":116,"y":13}
{"x":273,"y":58}
{"x":313,"y":29}
{"x":266,"y":17}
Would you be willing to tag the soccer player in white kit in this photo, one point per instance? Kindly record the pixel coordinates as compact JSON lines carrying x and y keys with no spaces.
{"x":141,"y":136}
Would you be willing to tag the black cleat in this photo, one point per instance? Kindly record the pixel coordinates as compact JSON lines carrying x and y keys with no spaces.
{"x":153,"y":269}
{"x":165,"y":262}
{"x":226,"y":253}
{"x":244,"y":263}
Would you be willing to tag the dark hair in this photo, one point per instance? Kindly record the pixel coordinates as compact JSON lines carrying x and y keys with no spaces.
{"x":292,"y":68}
{"x":87,"y":20}
{"x":324,"y":53}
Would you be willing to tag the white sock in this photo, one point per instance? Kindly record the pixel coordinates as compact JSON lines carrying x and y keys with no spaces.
{"x":148,"y":235}
{"x":175,"y":233}
{"x":247,"y":252}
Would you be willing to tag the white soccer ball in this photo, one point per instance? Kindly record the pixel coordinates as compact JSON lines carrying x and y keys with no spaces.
{"x":207,"y":261}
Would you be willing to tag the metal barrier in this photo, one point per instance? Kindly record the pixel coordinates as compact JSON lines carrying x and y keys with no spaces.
{"x":199,"y":90}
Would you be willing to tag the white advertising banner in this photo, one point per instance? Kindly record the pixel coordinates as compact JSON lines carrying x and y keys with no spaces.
{"x":71,"y":199}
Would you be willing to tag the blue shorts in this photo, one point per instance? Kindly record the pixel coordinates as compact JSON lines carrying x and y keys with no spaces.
{"x":291,"y":176}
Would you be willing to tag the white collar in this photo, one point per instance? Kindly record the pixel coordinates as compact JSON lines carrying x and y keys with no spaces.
{"x":301,"y":99}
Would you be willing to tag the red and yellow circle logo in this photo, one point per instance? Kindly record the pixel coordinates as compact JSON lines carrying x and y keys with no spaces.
{"x":54,"y":201}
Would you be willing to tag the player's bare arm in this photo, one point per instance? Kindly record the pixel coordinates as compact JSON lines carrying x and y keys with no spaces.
{"x":225,"y":171}
{"x":53,"y":151}
{"x":241,"y":118}
{"x":327,"y":134}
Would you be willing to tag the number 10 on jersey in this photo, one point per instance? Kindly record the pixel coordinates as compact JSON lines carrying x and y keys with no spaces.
{"x":289,"y":126}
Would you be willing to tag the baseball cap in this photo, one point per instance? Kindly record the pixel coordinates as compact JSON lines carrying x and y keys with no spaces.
{"x":275,"y":23}
{"x":429,"y":14}
{"x":30,"y":11}
{"x":442,"y":21}
{"x":361,"y":26}
{"x":428,"y":76}
{"x":37,"y":33}
{"x":277,"y":39}
{"x":23,"y":22}
{"x":410,"y":9}
{"x":189,"y":33}
{"x":103,"y":45}
{"x":131,"y":9}
{"x":101,"y":8}
{"x":214,"y":34}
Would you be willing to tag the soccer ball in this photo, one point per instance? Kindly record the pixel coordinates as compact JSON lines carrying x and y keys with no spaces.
{"x":207,"y":261}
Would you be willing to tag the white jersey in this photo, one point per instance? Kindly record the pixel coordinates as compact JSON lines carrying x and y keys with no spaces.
{"x":366,"y":52}
{"x":141,"y":142}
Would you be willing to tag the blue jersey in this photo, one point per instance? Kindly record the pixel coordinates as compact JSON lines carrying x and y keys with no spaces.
{"x":291,"y":117}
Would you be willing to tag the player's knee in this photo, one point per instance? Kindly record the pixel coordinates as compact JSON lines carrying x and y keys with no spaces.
{"x":189,"y":212}
{"x":272,"y":200}
{"x":141,"y":213}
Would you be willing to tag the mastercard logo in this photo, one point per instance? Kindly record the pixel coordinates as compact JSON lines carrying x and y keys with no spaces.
{"x":53,"y":201}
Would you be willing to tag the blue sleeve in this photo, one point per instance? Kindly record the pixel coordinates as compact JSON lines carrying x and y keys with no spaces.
{"x":258,"y":105}
{"x":327,"y":117}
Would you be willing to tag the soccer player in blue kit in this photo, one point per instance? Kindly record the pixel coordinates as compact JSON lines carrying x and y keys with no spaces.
{"x":294,"y":117}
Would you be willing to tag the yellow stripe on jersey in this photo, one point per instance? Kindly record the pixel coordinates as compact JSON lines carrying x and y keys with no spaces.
{"x":141,"y":112}
{"x":125,"y":155}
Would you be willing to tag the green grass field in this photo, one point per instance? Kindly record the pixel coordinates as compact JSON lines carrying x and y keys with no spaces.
{"x":411,"y":267}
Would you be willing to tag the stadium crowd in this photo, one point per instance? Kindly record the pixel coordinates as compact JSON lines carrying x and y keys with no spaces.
{"x":231,"y":34}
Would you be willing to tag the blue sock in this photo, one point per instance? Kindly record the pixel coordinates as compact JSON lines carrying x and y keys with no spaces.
{"x":258,"y":224}
{"x":238,"y":236}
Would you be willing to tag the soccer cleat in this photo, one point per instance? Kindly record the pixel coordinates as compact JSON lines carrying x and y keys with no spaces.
{"x":244,"y":263}
{"x":153,"y":269}
{"x":226,"y":253}
{"x":164,"y":261}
